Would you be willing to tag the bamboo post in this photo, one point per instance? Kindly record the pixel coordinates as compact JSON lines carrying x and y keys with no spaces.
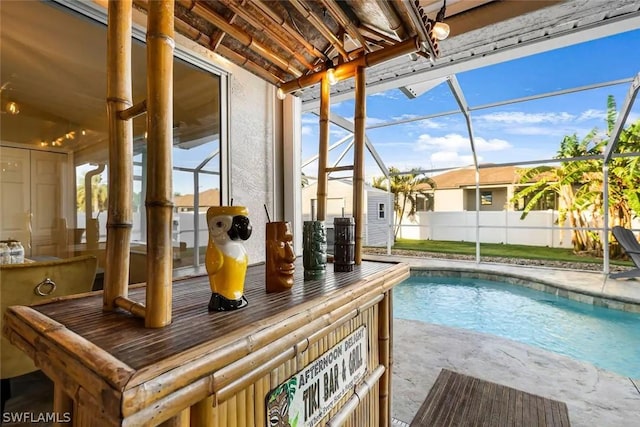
{"x":384,"y":351}
{"x":323,"y":149}
{"x":159,"y":203}
{"x":120,"y":213}
{"x":358,"y":160}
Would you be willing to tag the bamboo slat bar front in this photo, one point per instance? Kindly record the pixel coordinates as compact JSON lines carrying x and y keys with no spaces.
{"x":211,"y":368}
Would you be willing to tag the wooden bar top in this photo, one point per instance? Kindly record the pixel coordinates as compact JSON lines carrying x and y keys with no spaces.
{"x":117,"y":347}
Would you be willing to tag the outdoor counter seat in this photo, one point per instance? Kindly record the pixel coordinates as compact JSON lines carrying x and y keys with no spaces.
{"x":462,"y":400}
{"x":630,"y":244}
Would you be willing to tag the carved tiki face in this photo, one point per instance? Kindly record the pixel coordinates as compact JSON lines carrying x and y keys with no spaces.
{"x":280,"y":256}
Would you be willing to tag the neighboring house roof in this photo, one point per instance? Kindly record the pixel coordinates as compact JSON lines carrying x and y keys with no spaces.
{"x":505,"y":175}
{"x":207,"y":198}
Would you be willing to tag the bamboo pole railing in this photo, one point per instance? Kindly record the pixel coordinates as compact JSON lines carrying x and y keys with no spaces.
{"x":120,"y":212}
{"x":358,"y":160}
{"x":159,"y":203}
{"x":323,"y":148}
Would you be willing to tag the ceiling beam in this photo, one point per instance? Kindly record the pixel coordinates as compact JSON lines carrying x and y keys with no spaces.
{"x":526,"y":42}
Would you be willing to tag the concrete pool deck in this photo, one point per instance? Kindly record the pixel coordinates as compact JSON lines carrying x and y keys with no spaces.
{"x":595,"y":397}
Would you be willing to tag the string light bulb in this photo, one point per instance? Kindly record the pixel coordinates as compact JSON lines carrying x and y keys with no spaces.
{"x":280,"y":94}
{"x":440,"y":29}
{"x":13,"y":108}
{"x":331,"y":73}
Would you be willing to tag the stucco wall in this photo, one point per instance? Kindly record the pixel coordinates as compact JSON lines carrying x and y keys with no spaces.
{"x":251,"y":117}
{"x":448,"y":200}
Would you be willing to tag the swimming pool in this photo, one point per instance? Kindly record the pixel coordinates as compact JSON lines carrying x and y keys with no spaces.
{"x":609,"y":339}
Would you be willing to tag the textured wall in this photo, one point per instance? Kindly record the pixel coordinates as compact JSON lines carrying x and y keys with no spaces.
{"x":251,"y":152}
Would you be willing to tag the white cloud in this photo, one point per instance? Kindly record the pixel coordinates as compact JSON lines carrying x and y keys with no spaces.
{"x":592,"y":114}
{"x":455,"y":142}
{"x":388,"y":94}
{"x":374,"y":121}
{"x":539,"y":130}
{"x":338,"y":132}
{"x":446,"y":159}
{"x":519,"y":117}
{"x":306,"y":130}
{"x":404,"y":117}
{"x":309,"y":119}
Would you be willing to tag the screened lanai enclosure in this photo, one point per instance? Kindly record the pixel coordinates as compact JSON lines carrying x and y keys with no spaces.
{"x":501,"y":131}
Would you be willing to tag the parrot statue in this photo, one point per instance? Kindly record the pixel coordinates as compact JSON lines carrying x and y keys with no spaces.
{"x":226,"y":257}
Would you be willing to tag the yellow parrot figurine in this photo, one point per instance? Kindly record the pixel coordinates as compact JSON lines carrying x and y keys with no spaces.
{"x":226,"y":258}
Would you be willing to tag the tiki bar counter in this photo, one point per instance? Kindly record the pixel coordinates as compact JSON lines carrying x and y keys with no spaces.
{"x":331,"y":336}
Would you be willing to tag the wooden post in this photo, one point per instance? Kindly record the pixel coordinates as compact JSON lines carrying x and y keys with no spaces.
{"x":159,"y":203}
{"x":62,"y":405}
{"x":358,"y":160}
{"x":120,"y":213}
{"x":323,"y":148}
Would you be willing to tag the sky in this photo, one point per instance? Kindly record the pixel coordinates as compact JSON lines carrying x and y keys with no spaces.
{"x":523,"y":131}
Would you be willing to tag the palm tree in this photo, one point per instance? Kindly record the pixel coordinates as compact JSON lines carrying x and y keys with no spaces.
{"x":579,"y":184}
{"x":405,"y":188}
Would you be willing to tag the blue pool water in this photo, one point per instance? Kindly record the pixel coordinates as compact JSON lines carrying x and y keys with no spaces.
{"x":609,"y":339}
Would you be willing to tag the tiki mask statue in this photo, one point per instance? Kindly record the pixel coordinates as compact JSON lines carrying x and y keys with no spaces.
{"x":280,"y":256}
{"x":314,"y":254}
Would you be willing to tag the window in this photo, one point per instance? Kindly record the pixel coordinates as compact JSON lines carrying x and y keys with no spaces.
{"x":486,"y":198}
{"x":424,"y":202}
{"x":547,"y":201}
{"x":381,"y":210}
{"x":75,"y":128}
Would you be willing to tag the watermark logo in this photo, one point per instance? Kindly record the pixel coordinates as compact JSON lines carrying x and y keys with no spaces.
{"x":36,"y":417}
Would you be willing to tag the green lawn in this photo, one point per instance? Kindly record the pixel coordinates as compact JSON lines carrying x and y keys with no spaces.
{"x":499,"y":250}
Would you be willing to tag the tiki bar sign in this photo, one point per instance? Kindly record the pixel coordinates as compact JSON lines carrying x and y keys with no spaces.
{"x":304,"y":399}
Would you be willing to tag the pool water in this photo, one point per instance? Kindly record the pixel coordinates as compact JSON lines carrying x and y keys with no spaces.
{"x":609,"y":339}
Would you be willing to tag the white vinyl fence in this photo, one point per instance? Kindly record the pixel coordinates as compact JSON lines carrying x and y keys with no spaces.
{"x":539,"y":228}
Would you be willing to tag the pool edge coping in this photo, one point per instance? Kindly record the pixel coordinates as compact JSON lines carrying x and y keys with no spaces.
{"x":600,"y":299}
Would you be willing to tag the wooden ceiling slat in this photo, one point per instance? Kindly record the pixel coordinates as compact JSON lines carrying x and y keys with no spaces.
{"x":315,"y":20}
{"x":395,"y":23}
{"x":276,"y":19}
{"x":284,"y":44}
{"x":239,"y":34}
{"x":374,"y":34}
{"x":342,"y":19}
{"x":203,"y":39}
